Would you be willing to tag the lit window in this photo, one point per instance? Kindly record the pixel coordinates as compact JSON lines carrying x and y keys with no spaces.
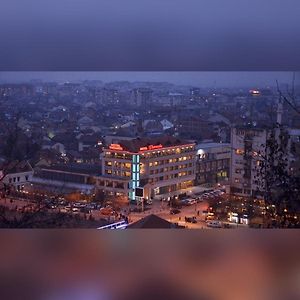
{"x":239,"y":151}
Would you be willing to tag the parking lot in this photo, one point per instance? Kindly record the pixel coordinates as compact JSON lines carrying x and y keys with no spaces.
{"x":190,"y":211}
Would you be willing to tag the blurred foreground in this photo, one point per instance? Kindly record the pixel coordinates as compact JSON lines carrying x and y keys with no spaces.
{"x":85,"y":265}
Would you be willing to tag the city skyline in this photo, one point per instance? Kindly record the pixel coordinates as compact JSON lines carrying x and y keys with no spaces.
{"x":201,"y":79}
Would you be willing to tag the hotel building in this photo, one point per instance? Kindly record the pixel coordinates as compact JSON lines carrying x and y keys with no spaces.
{"x":147,"y":166}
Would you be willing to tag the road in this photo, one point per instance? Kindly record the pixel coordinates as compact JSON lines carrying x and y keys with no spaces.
{"x":162,"y":210}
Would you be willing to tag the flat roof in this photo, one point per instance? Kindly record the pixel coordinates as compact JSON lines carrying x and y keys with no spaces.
{"x":135,"y":145}
{"x":75,"y":168}
{"x":211,"y":145}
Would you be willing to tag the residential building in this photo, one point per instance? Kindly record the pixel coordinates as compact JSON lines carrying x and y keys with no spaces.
{"x":16,"y":175}
{"x":142,"y":97}
{"x":247,"y":144}
{"x":249,"y":151}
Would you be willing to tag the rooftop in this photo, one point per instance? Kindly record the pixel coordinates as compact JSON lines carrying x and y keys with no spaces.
{"x":152,"y":221}
{"x":211,"y":145}
{"x":17,"y":167}
{"x":134,"y":145}
{"x":76,"y":168}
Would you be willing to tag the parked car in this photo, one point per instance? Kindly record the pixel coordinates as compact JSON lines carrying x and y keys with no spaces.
{"x":185,"y":202}
{"x":192,"y":201}
{"x":175,"y":211}
{"x":199,"y":199}
{"x":148,"y":201}
{"x":85,"y":210}
{"x":190,"y":219}
{"x":214,"y":224}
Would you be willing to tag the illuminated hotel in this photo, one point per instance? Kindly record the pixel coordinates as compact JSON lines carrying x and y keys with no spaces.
{"x":157,"y":166}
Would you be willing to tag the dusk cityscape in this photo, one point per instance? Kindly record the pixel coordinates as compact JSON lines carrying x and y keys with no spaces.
{"x":195,"y":150}
{"x":149,"y":149}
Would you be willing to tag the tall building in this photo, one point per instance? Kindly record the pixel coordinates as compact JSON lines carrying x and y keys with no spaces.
{"x":157,"y":166}
{"x":195,"y":94}
{"x":110,"y":96}
{"x":142,"y":97}
{"x":246,"y":144}
{"x":212,"y":163}
{"x":249,"y":150}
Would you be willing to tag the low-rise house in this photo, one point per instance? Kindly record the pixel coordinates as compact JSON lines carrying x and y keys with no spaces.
{"x":16,"y":174}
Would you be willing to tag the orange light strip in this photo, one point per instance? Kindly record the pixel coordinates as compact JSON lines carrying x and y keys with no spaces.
{"x":116,"y":147}
{"x":142,"y":149}
{"x":151,"y":147}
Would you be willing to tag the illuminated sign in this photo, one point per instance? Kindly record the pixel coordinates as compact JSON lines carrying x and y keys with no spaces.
{"x":151,"y":147}
{"x":143,"y":148}
{"x":116,"y":147}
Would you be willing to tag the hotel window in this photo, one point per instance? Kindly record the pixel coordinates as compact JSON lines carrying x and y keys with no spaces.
{"x":108,"y":171}
{"x":150,"y":164}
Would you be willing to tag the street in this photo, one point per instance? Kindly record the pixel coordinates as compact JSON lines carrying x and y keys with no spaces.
{"x":162,"y":210}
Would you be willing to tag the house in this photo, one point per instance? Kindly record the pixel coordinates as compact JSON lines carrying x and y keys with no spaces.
{"x":16,"y":174}
{"x":85,"y":122}
{"x":89,"y":141}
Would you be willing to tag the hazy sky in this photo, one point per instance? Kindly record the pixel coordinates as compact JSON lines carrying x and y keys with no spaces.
{"x":153,"y":35}
{"x":218,"y":79}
